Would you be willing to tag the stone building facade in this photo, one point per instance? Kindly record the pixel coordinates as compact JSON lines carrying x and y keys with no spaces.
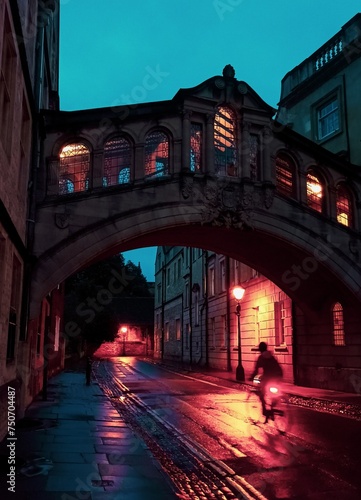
{"x":29,"y":35}
{"x":320,"y":98}
{"x":195,"y":312}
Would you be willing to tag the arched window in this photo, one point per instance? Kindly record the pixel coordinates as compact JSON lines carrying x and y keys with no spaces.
{"x":156,"y":154}
{"x":315,"y":192}
{"x":285,"y":175}
{"x":117,"y":161}
{"x":338,"y":324}
{"x":225,"y":144}
{"x":196,"y":147}
{"x":74,"y":168}
{"x":344,"y":210}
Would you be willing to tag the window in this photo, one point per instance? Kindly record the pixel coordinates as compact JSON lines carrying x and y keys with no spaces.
{"x":285,"y":169}
{"x":14,"y":309}
{"x":211,"y":277}
{"x":57,"y":333}
{"x":222,"y":269}
{"x":117,"y":161}
{"x":196,"y":147}
{"x":178,"y":328}
{"x":7,"y":86}
{"x":225,"y":330}
{"x":338,"y":325}
{"x":74,"y":168}
{"x":24,"y":145}
{"x":156,"y":154}
{"x":328,"y":119}
{"x":225,"y":142}
{"x":279,"y":315}
{"x":186,"y":293}
{"x":166,"y":332}
{"x":315,"y":192}
{"x":213,"y":331}
{"x":188,"y":333}
{"x":344,"y":206}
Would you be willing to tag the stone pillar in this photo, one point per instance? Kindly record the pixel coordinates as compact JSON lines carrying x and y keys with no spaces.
{"x":52,"y":187}
{"x":139,"y":162}
{"x":267,"y":137}
{"x":245,"y":152}
{"x":186,"y":140}
{"x":96,"y":176}
{"x":210,"y":167}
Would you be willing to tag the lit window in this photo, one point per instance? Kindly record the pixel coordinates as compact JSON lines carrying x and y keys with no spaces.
{"x":178,"y":328}
{"x":338,"y":325}
{"x":166,"y":332}
{"x":314,"y":192}
{"x":225,"y":142}
{"x":117,"y":161}
{"x":74,"y":168}
{"x":285,"y":175}
{"x":156,"y":154}
{"x":328,"y":119}
{"x":196,"y":148}
{"x":344,"y":206}
{"x":279,"y":317}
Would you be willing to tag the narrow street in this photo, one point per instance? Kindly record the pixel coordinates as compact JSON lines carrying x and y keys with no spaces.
{"x":201,"y":432}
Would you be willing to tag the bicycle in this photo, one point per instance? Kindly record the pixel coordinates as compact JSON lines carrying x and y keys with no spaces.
{"x":275,"y":405}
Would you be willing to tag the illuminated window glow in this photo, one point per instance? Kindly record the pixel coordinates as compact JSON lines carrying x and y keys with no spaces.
{"x":285,"y":175}
{"x":117,"y":161}
{"x":74,"y":168}
{"x":344,"y":206}
{"x":338,"y":325}
{"x":196,"y":147}
{"x":225,"y":142}
{"x":156,"y":154}
{"x":314,"y":192}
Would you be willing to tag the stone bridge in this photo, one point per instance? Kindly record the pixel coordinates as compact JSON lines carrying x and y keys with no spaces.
{"x":211,"y":169}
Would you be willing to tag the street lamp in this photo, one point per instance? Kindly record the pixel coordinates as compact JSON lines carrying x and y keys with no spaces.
{"x":124,"y":331}
{"x":238,"y":293}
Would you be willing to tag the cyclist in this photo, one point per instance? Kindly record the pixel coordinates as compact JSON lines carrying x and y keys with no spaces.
{"x":271,"y":370}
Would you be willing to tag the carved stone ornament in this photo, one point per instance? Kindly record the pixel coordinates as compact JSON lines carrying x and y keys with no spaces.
{"x":62,"y":220}
{"x":228,"y":204}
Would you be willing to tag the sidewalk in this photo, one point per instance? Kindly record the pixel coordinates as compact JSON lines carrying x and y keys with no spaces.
{"x":75,"y":446}
{"x":323,"y":396}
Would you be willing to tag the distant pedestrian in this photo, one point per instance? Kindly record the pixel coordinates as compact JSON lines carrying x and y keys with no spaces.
{"x":88,"y":370}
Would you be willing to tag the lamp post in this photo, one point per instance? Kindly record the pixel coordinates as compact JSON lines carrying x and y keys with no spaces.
{"x":238,"y":293}
{"x":124,"y":331}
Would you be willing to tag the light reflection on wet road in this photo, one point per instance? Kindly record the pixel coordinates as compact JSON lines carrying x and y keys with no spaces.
{"x":318,"y":458}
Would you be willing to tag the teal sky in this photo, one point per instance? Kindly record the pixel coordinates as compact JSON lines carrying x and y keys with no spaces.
{"x":108,"y":47}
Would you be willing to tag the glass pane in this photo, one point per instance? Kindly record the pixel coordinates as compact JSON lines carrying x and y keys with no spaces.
{"x":314,"y":192}
{"x":225,"y":142}
{"x":156,"y":154}
{"x":74,"y":168}
{"x":117,"y":157}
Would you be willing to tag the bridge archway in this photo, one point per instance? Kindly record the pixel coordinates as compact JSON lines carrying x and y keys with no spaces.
{"x":217,"y":185}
